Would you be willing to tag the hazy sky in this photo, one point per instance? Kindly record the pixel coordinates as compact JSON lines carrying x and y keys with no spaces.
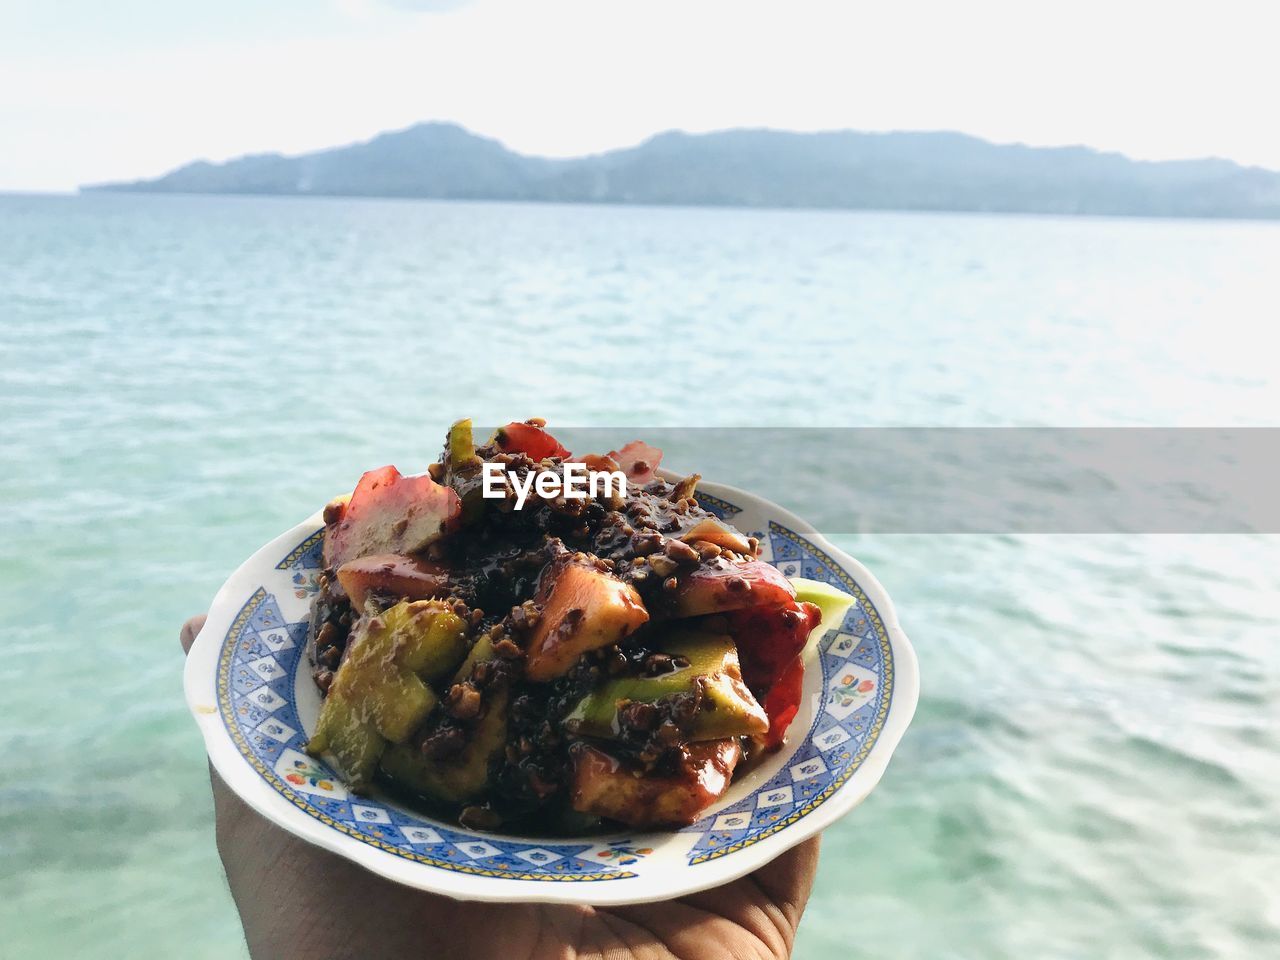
{"x":93,"y":90}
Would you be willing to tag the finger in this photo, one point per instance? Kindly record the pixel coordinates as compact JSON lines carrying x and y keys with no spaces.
{"x":788,"y":880}
{"x":768,"y":904}
{"x":190,"y":630}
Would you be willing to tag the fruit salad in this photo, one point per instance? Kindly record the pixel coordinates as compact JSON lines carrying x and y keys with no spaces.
{"x":568,"y":666}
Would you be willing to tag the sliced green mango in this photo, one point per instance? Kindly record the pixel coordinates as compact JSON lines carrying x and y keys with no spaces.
{"x":727,"y":710}
{"x":833,"y":603}
{"x":353,"y":740}
{"x":481,"y":651}
{"x":462,"y":449}
{"x":459,"y":778}
{"x":379,"y":693}
{"x":430,"y":639}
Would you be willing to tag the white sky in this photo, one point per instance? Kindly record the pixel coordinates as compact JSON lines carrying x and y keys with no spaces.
{"x":93,"y":90}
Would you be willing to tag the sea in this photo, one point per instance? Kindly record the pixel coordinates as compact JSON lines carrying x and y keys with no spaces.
{"x":1094,"y":770}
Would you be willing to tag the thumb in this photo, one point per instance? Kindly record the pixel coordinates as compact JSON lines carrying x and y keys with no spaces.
{"x":190,"y":630}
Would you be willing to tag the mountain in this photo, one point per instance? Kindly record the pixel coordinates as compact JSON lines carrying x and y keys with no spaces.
{"x":752,"y":168}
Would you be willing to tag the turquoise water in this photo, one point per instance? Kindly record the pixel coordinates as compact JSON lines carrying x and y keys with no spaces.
{"x":1092,"y":772}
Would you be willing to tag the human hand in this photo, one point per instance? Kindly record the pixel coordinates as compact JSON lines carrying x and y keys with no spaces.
{"x":341,"y":911}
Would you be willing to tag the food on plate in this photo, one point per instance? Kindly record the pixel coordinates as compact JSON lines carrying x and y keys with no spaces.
{"x":520,"y":657}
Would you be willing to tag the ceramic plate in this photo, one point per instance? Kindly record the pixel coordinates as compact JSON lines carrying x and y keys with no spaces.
{"x":249,"y":686}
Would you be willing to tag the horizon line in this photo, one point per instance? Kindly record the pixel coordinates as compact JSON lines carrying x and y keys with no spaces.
{"x":163,"y":195}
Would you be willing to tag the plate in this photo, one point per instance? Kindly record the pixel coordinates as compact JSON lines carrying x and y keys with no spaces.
{"x":249,"y":687}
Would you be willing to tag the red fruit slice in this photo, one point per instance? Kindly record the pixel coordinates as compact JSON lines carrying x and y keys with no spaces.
{"x":390,"y":513}
{"x":583,"y":609}
{"x":604,"y":786}
{"x":721,"y":585}
{"x":532,"y":441}
{"x":409,"y":578}
{"x":783,"y":703}
{"x":638,"y":461}
{"x":770,"y":638}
